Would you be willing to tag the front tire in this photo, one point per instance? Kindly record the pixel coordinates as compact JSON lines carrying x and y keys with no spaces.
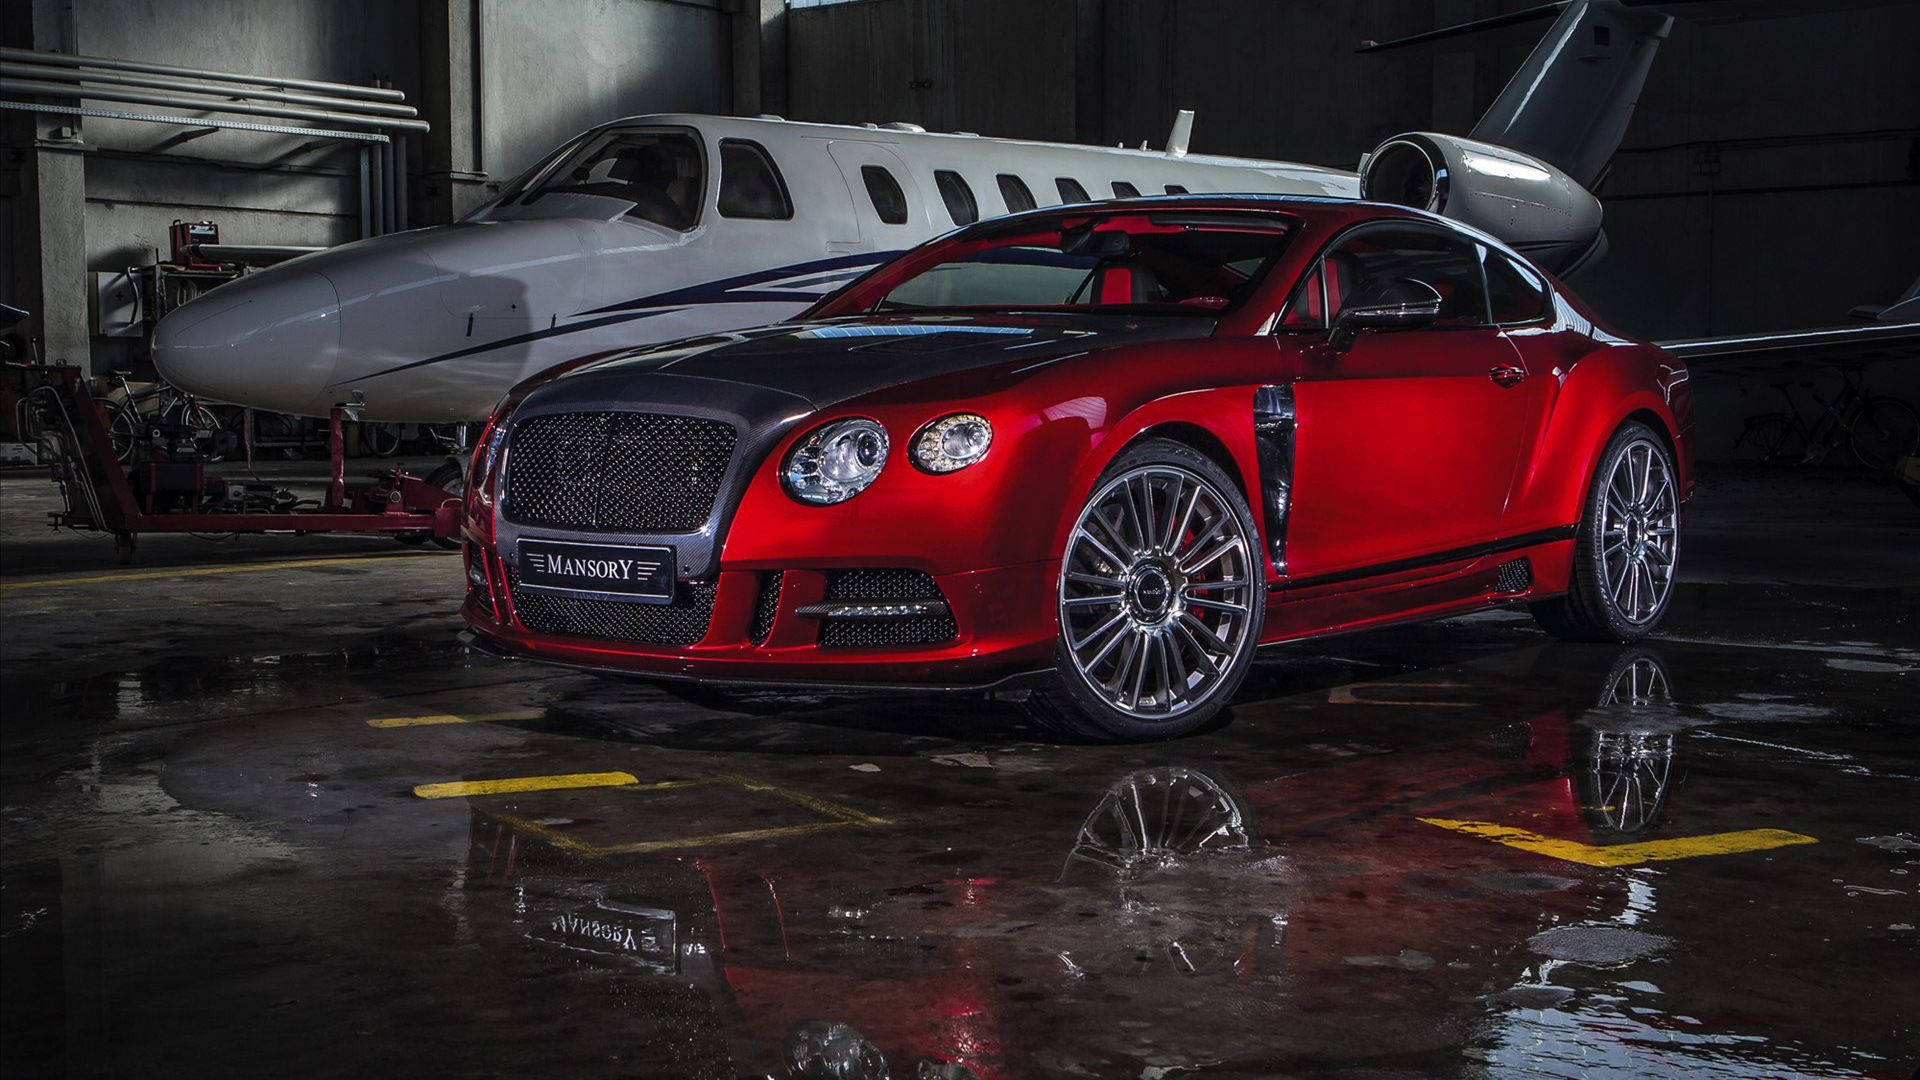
{"x":1161,"y":597}
{"x":1626,"y":547}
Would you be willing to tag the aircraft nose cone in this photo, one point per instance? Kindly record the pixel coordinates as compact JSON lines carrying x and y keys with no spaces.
{"x":270,"y":341}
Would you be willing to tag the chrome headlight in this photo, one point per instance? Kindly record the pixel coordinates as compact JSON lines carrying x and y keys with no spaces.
{"x":835,"y":461}
{"x":952,"y":442}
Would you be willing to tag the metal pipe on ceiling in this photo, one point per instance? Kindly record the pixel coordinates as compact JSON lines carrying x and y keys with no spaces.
{"x":371,"y":93}
{"x":74,"y":75}
{"x":41,"y":88}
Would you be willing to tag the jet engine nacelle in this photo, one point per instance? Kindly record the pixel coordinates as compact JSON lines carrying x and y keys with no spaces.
{"x":1522,"y":200}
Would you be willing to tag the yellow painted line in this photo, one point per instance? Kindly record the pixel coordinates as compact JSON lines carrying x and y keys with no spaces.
{"x":839,"y":817}
{"x":1684,"y":847}
{"x":1344,"y":695}
{"x":205,"y":571}
{"x":462,"y":788}
{"x":455,"y":718}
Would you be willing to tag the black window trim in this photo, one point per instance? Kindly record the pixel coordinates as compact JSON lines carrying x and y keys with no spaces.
{"x":779,"y":180}
{"x":1546,"y":289}
{"x":1001,"y":180}
{"x":1059,"y":186}
{"x":1115,"y":185}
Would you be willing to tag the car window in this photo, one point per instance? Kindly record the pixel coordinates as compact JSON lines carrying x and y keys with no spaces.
{"x":750,"y":183}
{"x":1199,"y":271}
{"x":659,"y":172}
{"x":1448,"y":262}
{"x":1514,"y":292}
{"x":954,"y":191}
{"x":1014,"y":192}
{"x":888,"y":200}
{"x":1124,"y":190}
{"x":1070,"y":190}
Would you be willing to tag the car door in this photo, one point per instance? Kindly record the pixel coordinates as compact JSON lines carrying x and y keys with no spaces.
{"x":1406,"y":443}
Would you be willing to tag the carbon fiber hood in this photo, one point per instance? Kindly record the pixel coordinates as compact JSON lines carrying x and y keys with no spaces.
{"x":826,"y":363}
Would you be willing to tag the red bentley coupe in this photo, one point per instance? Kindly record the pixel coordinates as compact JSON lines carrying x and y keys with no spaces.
{"x":1101,"y":453}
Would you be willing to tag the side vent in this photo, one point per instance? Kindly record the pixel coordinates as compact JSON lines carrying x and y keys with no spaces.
{"x":1514,"y":575}
{"x":1273,"y":436}
{"x":766,"y":604}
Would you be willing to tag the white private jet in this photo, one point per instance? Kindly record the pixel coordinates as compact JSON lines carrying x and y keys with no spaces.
{"x":659,"y":227}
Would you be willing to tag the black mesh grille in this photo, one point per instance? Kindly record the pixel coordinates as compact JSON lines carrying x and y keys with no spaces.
{"x":682,"y":622}
{"x":765,"y":605}
{"x":1514,"y":576}
{"x":618,"y":471}
{"x":883,"y":585}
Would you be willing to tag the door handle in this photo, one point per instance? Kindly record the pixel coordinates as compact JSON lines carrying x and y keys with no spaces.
{"x":1506,"y":374}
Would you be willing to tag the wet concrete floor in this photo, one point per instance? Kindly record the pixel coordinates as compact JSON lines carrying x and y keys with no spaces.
{"x":1457,"y":849}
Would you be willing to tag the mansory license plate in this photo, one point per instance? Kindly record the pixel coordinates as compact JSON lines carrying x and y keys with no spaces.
{"x":644,"y":574}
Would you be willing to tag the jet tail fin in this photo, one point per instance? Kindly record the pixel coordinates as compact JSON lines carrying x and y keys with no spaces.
{"x":1570,"y":102}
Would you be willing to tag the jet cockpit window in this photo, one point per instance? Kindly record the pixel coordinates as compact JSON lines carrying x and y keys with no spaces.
{"x":1070,"y":190}
{"x":888,"y":200}
{"x":1014,"y":192}
{"x":1124,"y":190}
{"x":954,"y":191}
{"x":750,"y":183}
{"x":659,"y":172}
{"x":1132,"y":265}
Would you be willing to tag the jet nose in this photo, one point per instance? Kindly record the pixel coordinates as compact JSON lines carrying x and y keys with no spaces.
{"x":270,"y":341}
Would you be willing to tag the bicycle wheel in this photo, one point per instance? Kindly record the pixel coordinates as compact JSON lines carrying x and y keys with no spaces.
{"x":199,"y":417}
{"x":1884,"y":431}
{"x":123,"y":429}
{"x":1774,"y":439}
{"x":381,"y":440}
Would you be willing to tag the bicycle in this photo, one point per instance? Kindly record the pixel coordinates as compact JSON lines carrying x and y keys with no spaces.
{"x":1879,"y":430}
{"x":129,"y":417}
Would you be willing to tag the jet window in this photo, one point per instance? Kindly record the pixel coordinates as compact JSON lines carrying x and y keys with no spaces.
{"x":750,"y":183}
{"x":1124,"y":190}
{"x":888,"y":200}
{"x":1014,"y":192}
{"x":659,"y":172}
{"x":1070,"y":190}
{"x":957,"y":195}
{"x":1176,"y":189}
{"x":1444,"y":260}
{"x":1514,"y":293}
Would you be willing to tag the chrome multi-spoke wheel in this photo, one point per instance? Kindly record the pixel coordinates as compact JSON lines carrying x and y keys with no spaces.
{"x":1626,"y":546}
{"x":1640,"y":532}
{"x":1161,"y":591}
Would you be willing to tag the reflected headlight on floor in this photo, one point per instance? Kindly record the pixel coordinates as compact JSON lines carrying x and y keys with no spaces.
{"x":952,"y":442}
{"x":835,"y":461}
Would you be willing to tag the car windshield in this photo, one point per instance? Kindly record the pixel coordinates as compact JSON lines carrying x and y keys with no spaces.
{"x":1172,"y":263}
{"x":657,"y":171}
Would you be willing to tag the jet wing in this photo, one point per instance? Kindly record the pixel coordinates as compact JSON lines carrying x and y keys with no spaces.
{"x":1865,"y":343}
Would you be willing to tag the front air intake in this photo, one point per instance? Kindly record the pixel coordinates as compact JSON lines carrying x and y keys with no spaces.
{"x":627,"y":472}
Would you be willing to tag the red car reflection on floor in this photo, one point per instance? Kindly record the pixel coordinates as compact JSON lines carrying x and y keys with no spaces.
{"x":1104,"y":450}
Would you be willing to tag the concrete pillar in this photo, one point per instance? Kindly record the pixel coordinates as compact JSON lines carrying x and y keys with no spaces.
{"x":760,"y":57}
{"x":452,"y":98}
{"x":45,"y":156}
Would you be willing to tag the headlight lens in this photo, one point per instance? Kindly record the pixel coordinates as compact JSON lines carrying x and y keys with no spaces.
{"x":835,"y":461}
{"x":952,"y":442}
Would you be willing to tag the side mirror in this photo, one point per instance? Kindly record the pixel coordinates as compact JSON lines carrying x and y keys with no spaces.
{"x":1399,"y":304}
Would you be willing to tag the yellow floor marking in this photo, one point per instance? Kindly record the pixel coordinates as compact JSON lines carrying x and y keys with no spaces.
{"x":1684,"y":847}
{"x":1344,"y":695}
{"x":203,"y":571}
{"x":455,"y":718}
{"x":461,"y":788}
{"x":839,"y":817}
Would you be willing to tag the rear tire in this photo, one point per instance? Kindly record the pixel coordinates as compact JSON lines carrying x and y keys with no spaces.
{"x":1883,"y":433}
{"x":1626,"y":547}
{"x":1161,"y":598}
